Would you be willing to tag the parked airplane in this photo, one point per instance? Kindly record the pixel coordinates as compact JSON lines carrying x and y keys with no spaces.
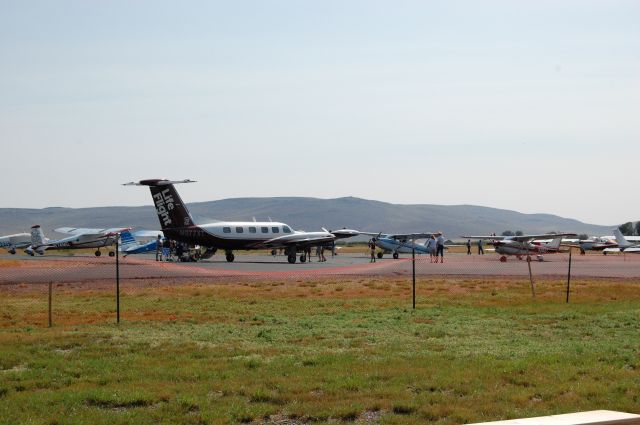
{"x":177,"y":224}
{"x":130,"y":245}
{"x":522,"y":246}
{"x":13,"y":242}
{"x":79,"y":239}
{"x":624,"y":244}
{"x":400,"y":243}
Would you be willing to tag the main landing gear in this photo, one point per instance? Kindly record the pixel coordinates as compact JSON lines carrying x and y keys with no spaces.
{"x":98,"y":253}
{"x":291,"y":258}
{"x":230,"y":257}
{"x":395,"y":255}
{"x":303,"y":258}
{"x":380,"y":255}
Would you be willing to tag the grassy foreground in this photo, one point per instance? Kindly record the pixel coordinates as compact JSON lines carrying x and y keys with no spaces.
{"x":320,"y":351}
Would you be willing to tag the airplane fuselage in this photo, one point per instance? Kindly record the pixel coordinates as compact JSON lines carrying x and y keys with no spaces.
{"x":246,"y":235}
{"x":518,"y":248}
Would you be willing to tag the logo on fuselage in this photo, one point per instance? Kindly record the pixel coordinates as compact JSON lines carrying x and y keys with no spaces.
{"x":164,"y":203}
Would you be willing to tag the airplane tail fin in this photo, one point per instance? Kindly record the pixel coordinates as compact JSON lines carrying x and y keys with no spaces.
{"x":127,"y":240}
{"x":172,"y":212}
{"x":555,"y":243}
{"x":37,"y":236}
{"x":622,"y":241}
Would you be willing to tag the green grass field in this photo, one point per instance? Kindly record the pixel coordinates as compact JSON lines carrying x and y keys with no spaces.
{"x":320,"y":351}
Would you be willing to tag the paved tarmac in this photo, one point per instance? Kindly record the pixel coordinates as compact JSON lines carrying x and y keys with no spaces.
{"x":24,"y":269}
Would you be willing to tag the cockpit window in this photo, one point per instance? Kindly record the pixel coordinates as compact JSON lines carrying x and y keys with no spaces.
{"x":286,"y":229}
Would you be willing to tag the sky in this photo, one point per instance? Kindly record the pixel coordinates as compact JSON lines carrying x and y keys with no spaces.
{"x":528,"y":106}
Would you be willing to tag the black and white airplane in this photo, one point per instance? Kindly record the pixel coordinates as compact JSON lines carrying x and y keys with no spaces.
{"x":177,"y":224}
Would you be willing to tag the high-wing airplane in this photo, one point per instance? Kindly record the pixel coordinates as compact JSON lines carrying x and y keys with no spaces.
{"x":78,"y":239}
{"x":13,"y":242}
{"x":400,"y":243}
{"x":624,"y":244}
{"x":522,"y":246}
{"x":177,"y":224}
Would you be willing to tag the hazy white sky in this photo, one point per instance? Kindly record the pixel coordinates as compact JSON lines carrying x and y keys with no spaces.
{"x":531,"y":106}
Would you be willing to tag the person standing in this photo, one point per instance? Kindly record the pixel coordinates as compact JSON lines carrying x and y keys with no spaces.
{"x":468,"y":246}
{"x":440,"y":247}
{"x":372,"y":248}
{"x":480,"y":249}
{"x":431,"y":248}
{"x":159,"y":248}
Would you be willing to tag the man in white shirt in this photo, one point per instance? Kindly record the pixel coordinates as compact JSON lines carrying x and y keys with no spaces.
{"x":440,"y":247}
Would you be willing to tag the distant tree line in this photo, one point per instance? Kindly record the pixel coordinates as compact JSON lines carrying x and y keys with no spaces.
{"x":512,"y":233}
{"x":629,"y":229}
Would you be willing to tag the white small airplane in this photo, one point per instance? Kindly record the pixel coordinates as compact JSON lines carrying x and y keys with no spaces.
{"x":624,"y":244}
{"x":524,"y":245}
{"x":13,"y":242}
{"x":177,"y":224}
{"x":79,"y":239}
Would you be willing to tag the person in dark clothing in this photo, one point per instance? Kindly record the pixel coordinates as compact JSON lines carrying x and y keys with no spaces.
{"x":468,"y":246}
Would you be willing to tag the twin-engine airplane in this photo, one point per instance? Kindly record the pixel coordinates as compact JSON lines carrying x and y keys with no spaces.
{"x":13,"y":242}
{"x":177,"y":224}
{"x":79,"y":239}
{"x":524,"y":246}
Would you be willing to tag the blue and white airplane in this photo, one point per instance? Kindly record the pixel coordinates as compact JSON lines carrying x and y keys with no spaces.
{"x":129,"y":245}
{"x":404,"y":243}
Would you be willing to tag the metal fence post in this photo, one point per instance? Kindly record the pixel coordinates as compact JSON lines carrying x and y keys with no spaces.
{"x":569,"y":275}
{"x":117,"y":280}
{"x":50,"y":303}
{"x":413,"y":263}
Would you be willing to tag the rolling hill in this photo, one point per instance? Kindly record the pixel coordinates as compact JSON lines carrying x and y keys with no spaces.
{"x":309,"y":214}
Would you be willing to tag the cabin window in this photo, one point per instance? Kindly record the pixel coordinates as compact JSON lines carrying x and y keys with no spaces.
{"x":239,"y":229}
{"x":252,"y":229}
{"x":264,"y":229}
{"x":286,"y":229}
{"x":226,"y":229}
{"x":274,"y":229}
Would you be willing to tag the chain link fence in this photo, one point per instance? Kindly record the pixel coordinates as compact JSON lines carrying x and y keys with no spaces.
{"x":75,"y":290}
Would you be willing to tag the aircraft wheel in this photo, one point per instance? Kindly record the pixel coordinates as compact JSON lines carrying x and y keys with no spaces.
{"x":98,"y":253}
{"x":12,"y":251}
{"x":291,"y":258}
{"x":112,"y":254}
{"x":604,"y":253}
{"x":230,"y":257}
{"x":395,"y":255}
{"x":303,"y":258}
{"x":380,"y":254}
{"x":503,"y":259}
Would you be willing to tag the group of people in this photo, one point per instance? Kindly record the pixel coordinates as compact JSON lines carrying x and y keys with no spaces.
{"x":170,"y":250}
{"x":480,"y":248}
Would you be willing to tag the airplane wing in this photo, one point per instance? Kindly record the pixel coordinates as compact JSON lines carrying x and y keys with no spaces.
{"x":147,"y":233}
{"x":86,"y":231}
{"x":492,"y":237}
{"x":408,"y":236}
{"x":299,"y":239}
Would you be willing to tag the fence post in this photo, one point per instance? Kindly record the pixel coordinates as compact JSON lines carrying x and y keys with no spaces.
{"x":50,"y":306}
{"x":117,"y":280}
{"x":413,"y":262}
{"x":533,"y":289}
{"x":569,"y":275}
